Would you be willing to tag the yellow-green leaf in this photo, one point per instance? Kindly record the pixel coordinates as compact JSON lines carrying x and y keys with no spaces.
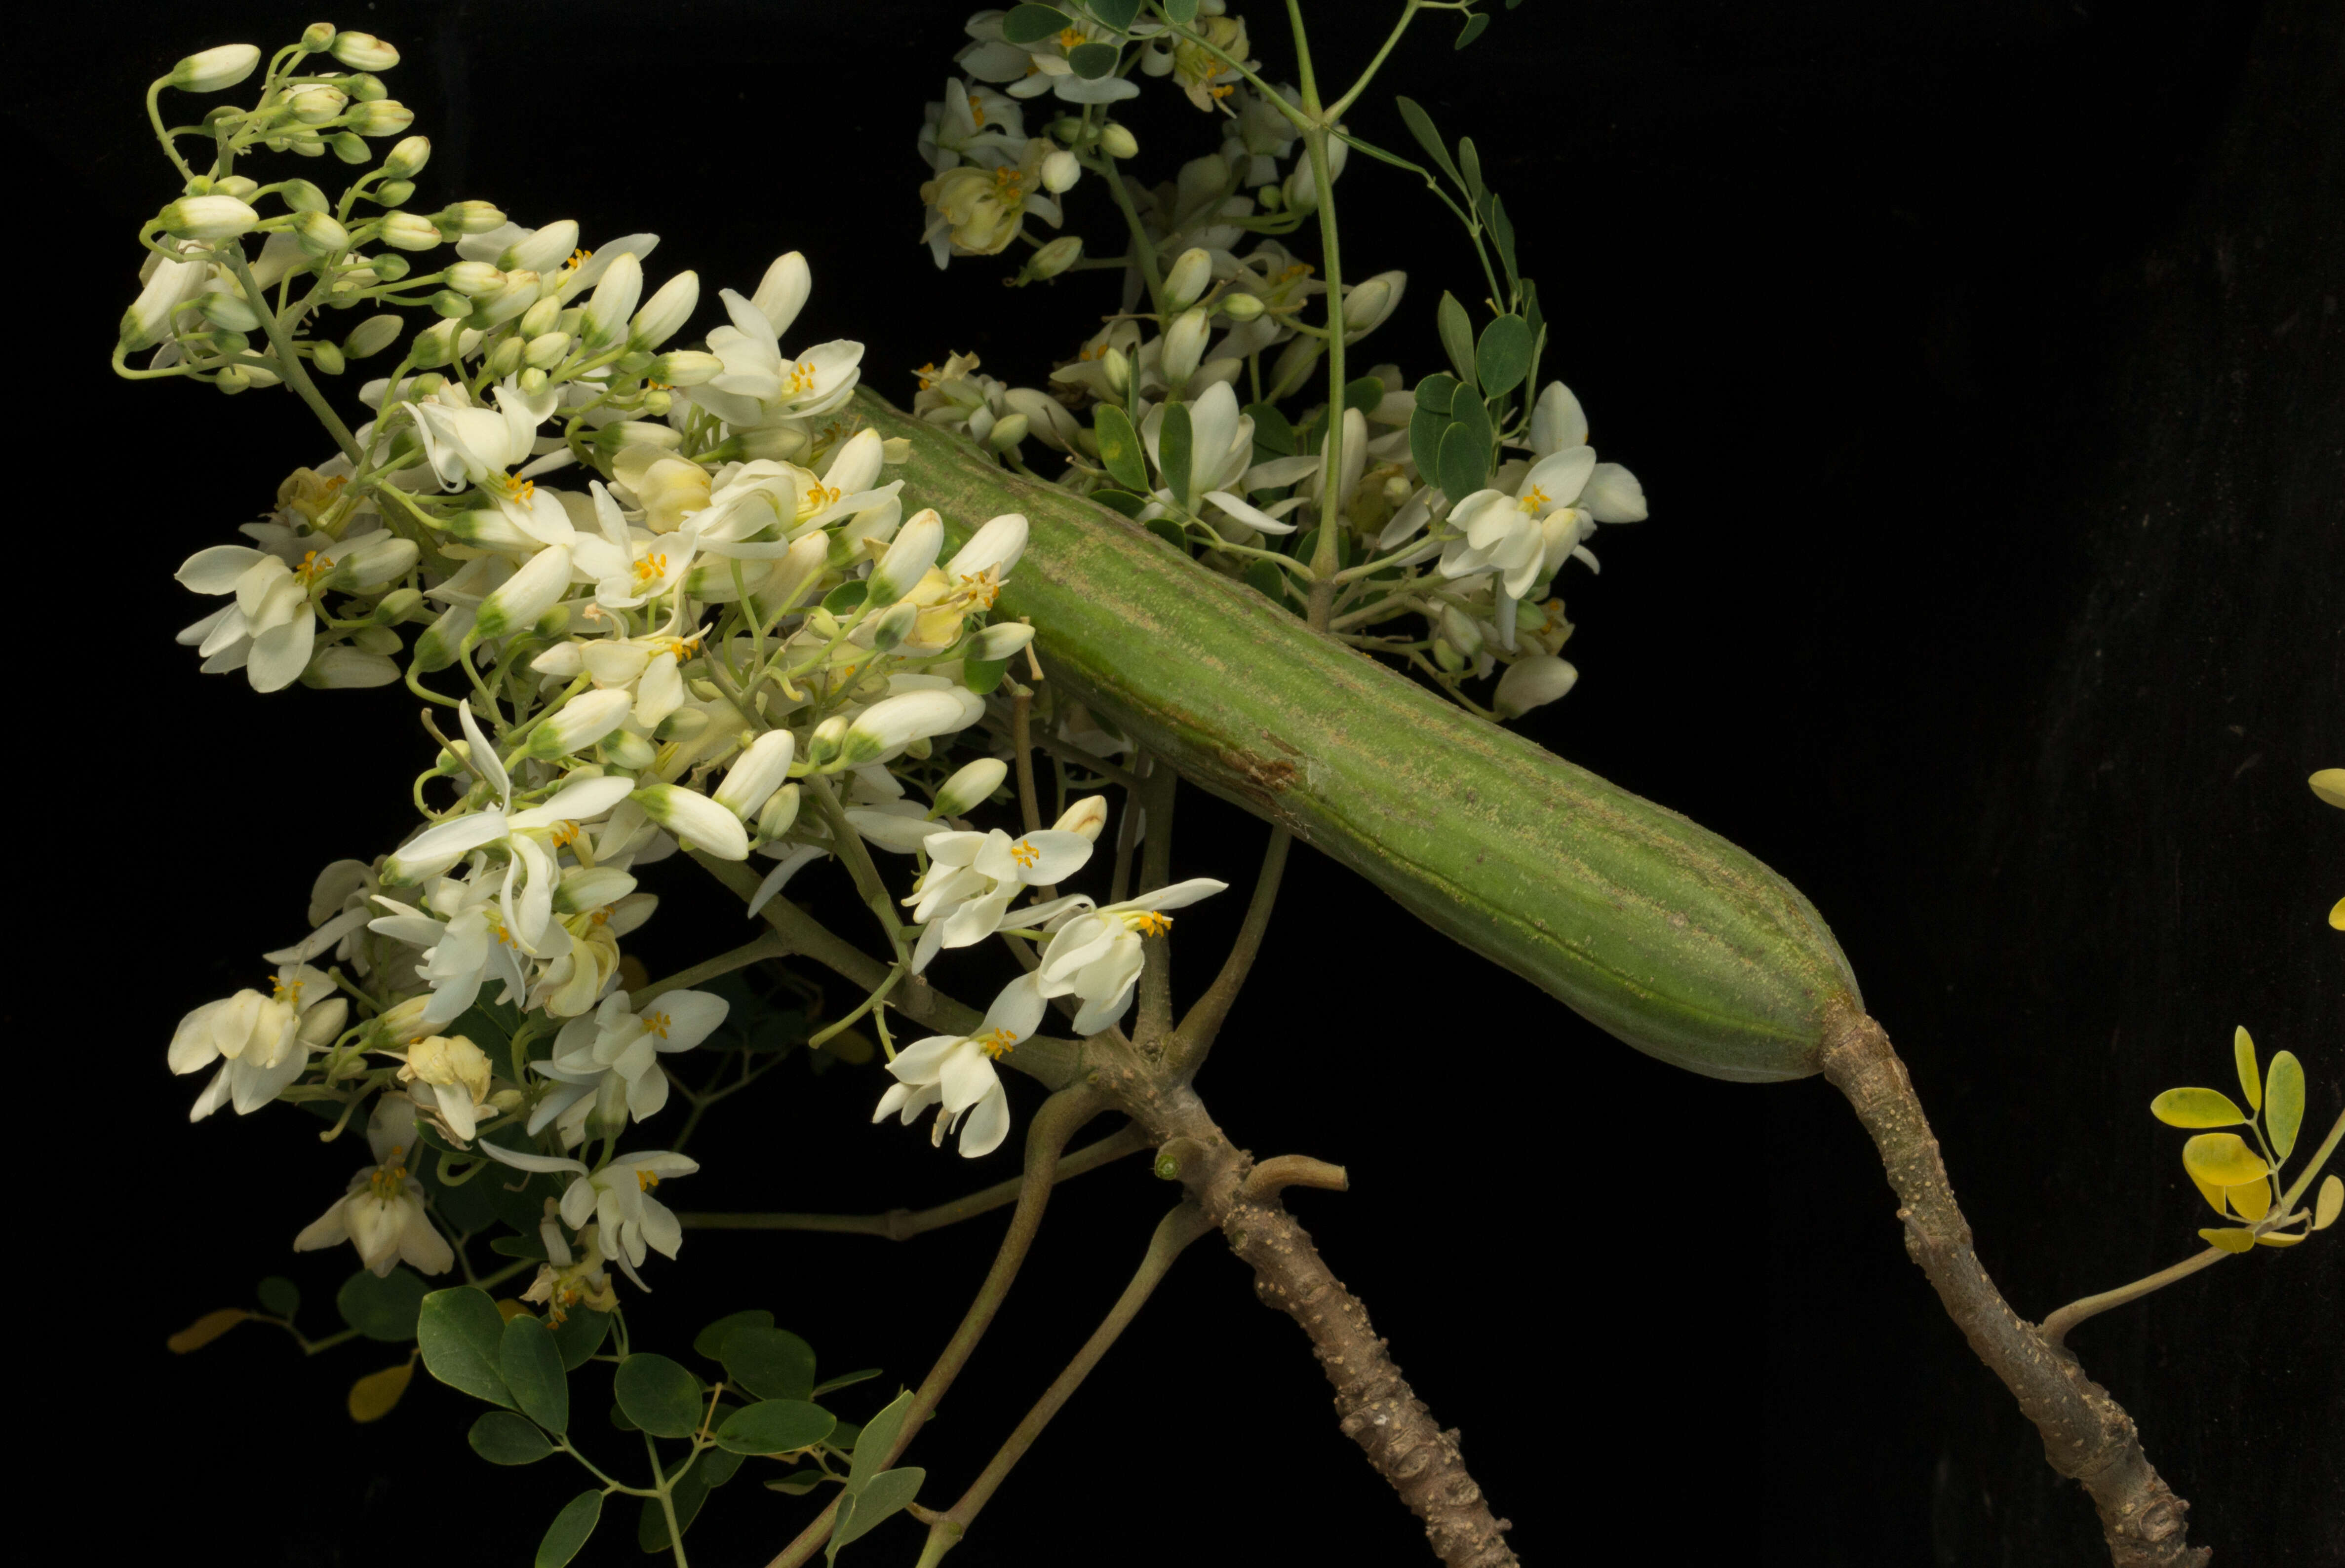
{"x":2250,"y":1202}
{"x":2336,"y":915}
{"x":2279,"y":1238}
{"x":2197,"y":1107}
{"x":373,"y":1396}
{"x":206,"y":1329}
{"x":2243,"y":1052}
{"x":509,"y":1308}
{"x":2328,"y":783}
{"x":2229,"y":1240}
{"x":2212,"y":1194}
{"x":2331,"y":1199}
{"x":2221,"y":1159}
{"x":2284,"y":1102}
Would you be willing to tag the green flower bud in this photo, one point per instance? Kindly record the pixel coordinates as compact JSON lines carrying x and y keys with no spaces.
{"x":1240,"y":306}
{"x":780,"y":811}
{"x":406,"y":160}
{"x":301,"y":196}
{"x":436,"y":344}
{"x":505,"y":358}
{"x":364,"y":51}
{"x":823,"y":744}
{"x":547,"y":350}
{"x":396,"y":606}
{"x":349,"y":149}
{"x":394,"y":192}
{"x":318,"y":37}
{"x":372,"y":335}
{"x":327,"y":357}
{"x":467,"y":217}
{"x":386,"y":118}
{"x":1191,"y":275}
{"x":473,"y":279}
{"x":540,"y":317}
{"x":208,"y":218}
{"x":315,"y":106}
{"x":1054,"y":258}
{"x":686,"y":368}
{"x":320,"y":235}
{"x":624,"y":749}
{"x":409,"y":231}
{"x":365,"y":88}
{"x":970,"y":788}
{"x":214,"y":70}
{"x":227,"y":310}
{"x":389,"y":268}
{"x":1117,"y":142}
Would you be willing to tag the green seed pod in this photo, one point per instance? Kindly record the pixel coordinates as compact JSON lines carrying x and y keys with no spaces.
{"x":1654,"y":929}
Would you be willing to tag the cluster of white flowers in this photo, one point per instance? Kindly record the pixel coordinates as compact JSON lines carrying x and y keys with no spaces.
{"x":1227,"y":306}
{"x":662,"y":597}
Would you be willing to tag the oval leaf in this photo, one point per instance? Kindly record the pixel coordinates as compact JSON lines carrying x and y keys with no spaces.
{"x":2216,"y":1197}
{"x":1116,"y":14}
{"x":1503,"y":356}
{"x":530,"y":1362}
{"x":502,"y":1437}
{"x":1032,"y":24}
{"x":1182,"y":12}
{"x":2243,"y":1053}
{"x":1464,"y":461}
{"x":776,"y":1426}
{"x":1435,"y":392}
{"x":2284,"y":1103}
{"x":884,"y":1493}
{"x":2326,"y":1207}
{"x":1425,"y":428}
{"x":2251,"y":1201}
{"x":771,"y":1363}
{"x":382,"y":1309}
{"x":710,"y":1340}
{"x":2229,"y":1240}
{"x":206,"y":1329}
{"x":658,"y":1395}
{"x":2328,"y":783}
{"x":2221,"y":1159}
{"x":375,"y":1395}
{"x":2279,"y":1238}
{"x":1472,"y":30}
{"x":2197,"y":1107}
{"x":569,"y":1531}
{"x":1173,"y":440}
{"x":580,"y":1335}
{"x":1420,"y":125}
{"x":873,"y":1442}
{"x":1092,"y":60}
{"x":1456,"y":336}
{"x":279,"y":1295}
{"x":1119,"y":447}
{"x":461,"y":1332}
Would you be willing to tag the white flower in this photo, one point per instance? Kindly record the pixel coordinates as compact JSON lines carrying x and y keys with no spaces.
{"x":566,"y":1281}
{"x":615,"y":1053}
{"x":761,"y":386}
{"x":466,"y":445}
{"x":1221,"y":442}
{"x":269,"y":630}
{"x":261,"y":1043}
{"x":383,"y":1215}
{"x":964,"y":895}
{"x":450,"y":1075}
{"x":973,"y":124}
{"x":617,"y":1199}
{"x":630,"y":566}
{"x":1096,"y":954}
{"x":1531,"y":682}
{"x":463,"y":951}
{"x":1505,"y":533}
{"x":956,"y":1073}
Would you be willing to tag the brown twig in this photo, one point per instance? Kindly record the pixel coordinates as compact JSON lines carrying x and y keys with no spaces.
{"x":2087,"y":1436}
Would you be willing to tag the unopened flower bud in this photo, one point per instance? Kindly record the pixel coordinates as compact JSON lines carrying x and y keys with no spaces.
{"x":626,"y":749}
{"x":299,"y":196}
{"x":1117,"y":142}
{"x":504,"y":360}
{"x":543,"y":250}
{"x":540,"y":317}
{"x":468,"y":216}
{"x":780,"y":812}
{"x":516,"y":294}
{"x":230,"y":311}
{"x":406,"y":159}
{"x":1240,"y":306}
{"x":388,"y":268}
{"x":757,"y":774}
{"x":365,"y":88}
{"x":696,"y":819}
{"x":409,"y":231}
{"x":436,"y":648}
{"x":316,"y":105}
{"x":1054,"y":257}
{"x":890,"y":631}
{"x":970,"y":788}
{"x":1529,"y":682}
{"x":686,"y":368}
{"x":526,"y":594}
{"x":1084,"y":818}
{"x":320,"y":235}
{"x":532,"y":380}
{"x":578,"y":724}
{"x":349,"y":149}
{"x":613,"y":300}
{"x":547,"y":350}
{"x":386,"y":118}
{"x":891,"y":723}
{"x":396,"y":606}
{"x":1060,"y":171}
{"x":364,"y":51}
{"x":318,"y":37}
{"x":208,"y":218}
{"x":1000,"y":641}
{"x":1117,"y":369}
{"x":372,"y":335}
{"x":1184,"y":344}
{"x":909,"y":555}
{"x":1191,"y":275}
{"x":216,"y":68}
{"x":327,"y":357}
{"x":1370,"y":304}
{"x":383,"y":559}
{"x":1007,"y":432}
{"x":235,"y":184}
{"x":823,"y":743}
{"x":666,"y":312}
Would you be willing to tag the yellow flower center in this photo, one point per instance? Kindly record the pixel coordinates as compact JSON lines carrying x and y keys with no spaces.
{"x":290,"y":994}
{"x":818,"y":496}
{"x":389,"y":1179}
{"x":658,"y":1024}
{"x":928,"y":374}
{"x":313,"y":566}
{"x":565,"y":834}
{"x":651,"y":569}
{"x":1533,"y":499}
{"x":983,"y":588}
{"x":578,"y":258}
{"x":1009,"y":185}
{"x":1025,"y":854}
{"x":976,"y":113}
{"x":644,"y":1180}
{"x":498,"y":926}
{"x":997,"y":1044}
{"x":519,"y":492}
{"x":1148,"y":921}
{"x":1221,"y":92}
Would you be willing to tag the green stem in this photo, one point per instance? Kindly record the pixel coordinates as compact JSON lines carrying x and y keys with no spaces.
{"x":769,"y":946}
{"x":1360,"y":85}
{"x":1173,"y":1233}
{"x":1143,"y":247}
{"x":296,"y":376}
{"x":856,"y":855}
{"x":903,"y":1224}
{"x":1061,"y":1116}
{"x":666,"y":1502}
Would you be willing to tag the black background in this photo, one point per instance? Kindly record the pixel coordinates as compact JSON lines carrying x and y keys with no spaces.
{"x":1981,"y":361}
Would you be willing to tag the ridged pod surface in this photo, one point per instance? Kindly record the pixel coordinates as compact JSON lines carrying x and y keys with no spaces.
{"x":1648,"y":924}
